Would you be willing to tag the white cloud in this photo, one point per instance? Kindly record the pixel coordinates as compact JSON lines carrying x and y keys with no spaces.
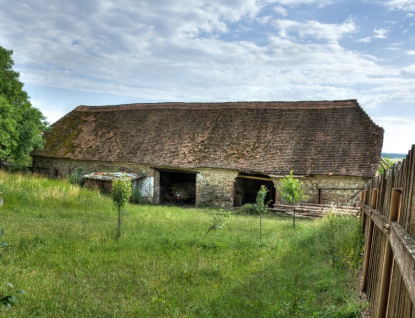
{"x":405,"y":5}
{"x":183,"y":50}
{"x":281,"y":11}
{"x":264,"y":19}
{"x":411,"y":52}
{"x":380,"y":33}
{"x":364,"y":40}
{"x":293,"y":3}
{"x":315,"y":29}
{"x":410,"y":68}
{"x":399,"y":133}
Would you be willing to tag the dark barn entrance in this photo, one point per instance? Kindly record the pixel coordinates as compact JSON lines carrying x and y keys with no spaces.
{"x":177,"y":184}
{"x":247,"y":186}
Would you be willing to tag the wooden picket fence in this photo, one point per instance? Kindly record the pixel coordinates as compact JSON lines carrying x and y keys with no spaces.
{"x":388,"y":221}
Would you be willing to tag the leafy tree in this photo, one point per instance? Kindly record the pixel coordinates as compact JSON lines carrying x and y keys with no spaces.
{"x":292,"y":192}
{"x":121,"y":193}
{"x":20,"y":123}
{"x":388,"y":161}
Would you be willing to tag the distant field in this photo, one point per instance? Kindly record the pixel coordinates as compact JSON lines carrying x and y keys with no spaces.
{"x":394,"y":157}
{"x":63,"y":254}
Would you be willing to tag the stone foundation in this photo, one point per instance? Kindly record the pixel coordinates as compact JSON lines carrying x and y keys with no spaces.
{"x":214,"y":187}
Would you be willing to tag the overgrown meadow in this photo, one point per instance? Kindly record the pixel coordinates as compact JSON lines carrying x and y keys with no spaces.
{"x":62,"y":251}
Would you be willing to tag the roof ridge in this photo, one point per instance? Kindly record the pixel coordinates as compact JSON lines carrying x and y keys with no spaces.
{"x":351,"y":103}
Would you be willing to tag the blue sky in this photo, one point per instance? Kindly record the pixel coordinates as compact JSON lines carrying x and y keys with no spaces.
{"x":103,"y":52}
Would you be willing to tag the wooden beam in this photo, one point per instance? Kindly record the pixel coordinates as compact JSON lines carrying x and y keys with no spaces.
{"x":363,"y":199}
{"x":403,"y":247}
{"x":384,"y":161}
{"x":368,"y":245}
{"x":369,"y":235}
{"x":388,"y":258}
{"x":375,"y":199}
{"x":255,"y":178}
{"x":380,"y":220}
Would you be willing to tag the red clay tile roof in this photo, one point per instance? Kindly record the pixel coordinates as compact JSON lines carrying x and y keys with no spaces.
{"x":323,"y":137}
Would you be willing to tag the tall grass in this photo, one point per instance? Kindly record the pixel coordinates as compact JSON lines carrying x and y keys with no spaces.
{"x":63,"y":254}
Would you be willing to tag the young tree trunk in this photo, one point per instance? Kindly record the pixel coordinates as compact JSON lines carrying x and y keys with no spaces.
{"x":119,"y":225}
{"x":260,"y":227}
{"x":294,"y":216}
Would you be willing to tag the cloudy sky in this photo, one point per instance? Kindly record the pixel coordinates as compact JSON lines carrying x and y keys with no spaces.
{"x":102,"y":52}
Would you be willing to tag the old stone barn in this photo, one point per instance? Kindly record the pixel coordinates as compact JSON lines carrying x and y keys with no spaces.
{"x":219,"y":154}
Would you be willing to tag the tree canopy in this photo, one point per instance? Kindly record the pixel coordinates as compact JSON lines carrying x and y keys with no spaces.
{"x":20,"y":123}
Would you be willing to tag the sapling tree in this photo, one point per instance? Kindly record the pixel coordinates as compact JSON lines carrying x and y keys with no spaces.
{"x":121,"y":193}
{"x":217,"y":222}
{"x":261,"y":206}
{"x":291,"y":191}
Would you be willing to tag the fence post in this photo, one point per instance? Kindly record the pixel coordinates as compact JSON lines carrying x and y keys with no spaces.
{"x":387,"y":270}
{"x":363,"y":200}
{"x":369,"y":234}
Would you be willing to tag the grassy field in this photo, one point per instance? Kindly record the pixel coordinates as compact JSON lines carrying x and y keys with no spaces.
{"x":62,"y":252}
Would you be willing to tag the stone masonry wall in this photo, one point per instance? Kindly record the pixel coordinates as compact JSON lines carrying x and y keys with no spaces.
{"x":214,"y":187}
{"x":63,"y":168}
{"x":333,"y":189}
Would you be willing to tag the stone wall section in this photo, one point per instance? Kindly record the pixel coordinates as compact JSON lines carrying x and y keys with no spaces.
{"x":215,"y":187}
{"x":64,"y":167}
{"x":338,"y":190}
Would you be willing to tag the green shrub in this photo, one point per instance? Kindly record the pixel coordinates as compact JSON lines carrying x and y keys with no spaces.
{"x":249,"y":208}
{"x":343,"y":241}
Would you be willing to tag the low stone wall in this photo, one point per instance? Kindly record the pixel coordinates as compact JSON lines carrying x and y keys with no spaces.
{"x":328,"y":189}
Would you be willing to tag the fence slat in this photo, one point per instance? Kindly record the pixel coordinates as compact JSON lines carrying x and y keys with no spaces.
{"x":389,"y":227}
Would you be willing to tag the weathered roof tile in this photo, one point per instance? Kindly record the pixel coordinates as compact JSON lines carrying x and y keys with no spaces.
{"x":310,"y":137}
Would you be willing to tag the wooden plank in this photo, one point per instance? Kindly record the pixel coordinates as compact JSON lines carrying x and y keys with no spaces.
{"x":384,"y":161}
{"x":403,"y":247}
{"x":380,"y":220}
{"x":255,"y":178}
{"x":411,"y":203}
{"x":410,"y":184}
{"x":388,"y":260}
{"x":368,"y":246}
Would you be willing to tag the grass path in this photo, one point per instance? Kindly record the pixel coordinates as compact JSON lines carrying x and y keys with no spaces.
{"x":63,"y":254}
